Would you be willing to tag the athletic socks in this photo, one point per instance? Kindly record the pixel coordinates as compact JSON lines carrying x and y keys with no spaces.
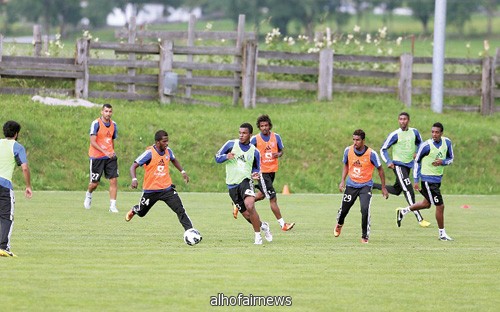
{"x":281,"y":222}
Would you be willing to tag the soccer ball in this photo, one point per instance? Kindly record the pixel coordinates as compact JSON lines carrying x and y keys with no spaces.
{"x":192,"y":237}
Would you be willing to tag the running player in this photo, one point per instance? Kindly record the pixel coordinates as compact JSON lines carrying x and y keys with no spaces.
{"x":431,"y":158}
{"x":404,"y":142}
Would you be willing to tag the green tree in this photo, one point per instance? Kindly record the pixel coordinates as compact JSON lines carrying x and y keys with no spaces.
{"x":47,"y":12}
{"x":423,"y":10}
{"x":459,"y":12}
{"x":491,"y":8}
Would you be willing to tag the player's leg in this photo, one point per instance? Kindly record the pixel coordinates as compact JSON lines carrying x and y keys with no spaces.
{"x":348,"y":199}
{"x":111,"y":173}
{"x":365,"y":199}
{"x":6,"y":220}
{"x":403,"y":177}
{"x":96,"y":169}
{"x":173,"y":200}
{"x":266,"y":182}
{"x":146,"y":201}
{"x":247,"y":192}
{"x":424,"y":204}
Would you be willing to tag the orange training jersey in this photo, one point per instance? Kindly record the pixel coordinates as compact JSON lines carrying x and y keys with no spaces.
{"x":267,"y":162}
{"x":157,"y":175}
{"x":104,"y":139}
{"x":360,"y":167}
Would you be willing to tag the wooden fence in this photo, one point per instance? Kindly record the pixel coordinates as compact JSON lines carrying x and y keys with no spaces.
{"x":136,"y":71}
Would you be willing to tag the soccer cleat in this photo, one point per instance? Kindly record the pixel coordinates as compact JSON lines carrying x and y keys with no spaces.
{"x":235,"y":211}
{"x":87,"y":202}
{"x":267,"y":231}
{"x":6,"y":253}
{"x":445,"y":238}
{"x":399,"y":216}
{"x":129,"y":215}
{"x":424,"y":223}
{"x":113,"y":209}
{"x":258,"y":240}
{"x":288,"y":226}
{"x":337,"y":230}
{"x":364,"y":240}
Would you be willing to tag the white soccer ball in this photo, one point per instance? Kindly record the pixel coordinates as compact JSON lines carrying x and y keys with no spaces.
{"x":192,"y":237}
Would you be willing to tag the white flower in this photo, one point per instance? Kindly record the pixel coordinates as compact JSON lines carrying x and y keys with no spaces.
{"x":58,"y":36}
{"x":223,"y":40}
{"x":467,"y":45}
{"x":208,"y":26}
{"x":389,"y":51}
{"x":398,"y":41}
{"x":368,"y":38}
{"x":379,"y":51}
{"x":96,"y":39}
{"x":356,"y":28}
{"x":376,"y":66}
{"x":350,"y":36}
{"x":361,"y":48}
{"x":486,"y":45}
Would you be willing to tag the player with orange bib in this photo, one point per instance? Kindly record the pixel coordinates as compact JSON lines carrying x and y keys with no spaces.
{"x":157,"y":184}
{"x":103,"y":133}
{"x":271,"y":148}
{"x":359,"y":161}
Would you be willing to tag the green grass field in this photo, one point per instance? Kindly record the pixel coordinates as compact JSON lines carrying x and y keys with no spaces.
{"x":72,"y":259}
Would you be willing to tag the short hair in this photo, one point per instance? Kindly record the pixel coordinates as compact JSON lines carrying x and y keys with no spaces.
{"x":160,"y":134}
{"x":248,"y":126}
{"x":264,"y":118}
{"x":438,"y":125}
{"x":404,"y":114}
{"x":360,"y":133}
{"x":10,"y":128}
{"x":106,"y":106}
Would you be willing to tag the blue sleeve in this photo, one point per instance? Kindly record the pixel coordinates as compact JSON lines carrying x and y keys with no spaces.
{"x":279,"y":141}
{"x":170,"y":153}
{"x":20,"y":154}
{"x":449,"y":155}
{"x":115,"y":134}
{"x":423,"y":151}
{"x":418,"y":139}
{"x":94,"y":127}
{"x":391,"y":139}
{"x":346,"y":152}
{"x":253,"y":140}
{"x":256,"y":161}
{"x":221,"y":155}
{"x":144,"y":158}
{"x":375,"y":160}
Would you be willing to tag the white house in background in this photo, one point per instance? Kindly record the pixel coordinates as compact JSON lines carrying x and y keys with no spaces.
{"x":151,"y":13}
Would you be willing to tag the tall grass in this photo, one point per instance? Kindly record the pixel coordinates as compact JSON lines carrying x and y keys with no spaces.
{"x":315,"y":135}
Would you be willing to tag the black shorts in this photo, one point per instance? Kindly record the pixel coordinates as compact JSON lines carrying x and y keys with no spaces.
{"x":6,"y":203}
{"x":169,"y":197}
{"x":109,"y":166}
{"x":432,"y":193}
{"x":238,"y":194}
{"x":266,"y":184}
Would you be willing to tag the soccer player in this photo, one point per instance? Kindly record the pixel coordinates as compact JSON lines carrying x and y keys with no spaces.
{"x":270,"y":147}
{"x":11,"y":154}
{"x":404,"y":142}
{"x":359,"y":161}
{"x":157,"y":184}
{"x":103,"y":133}
{"x":242,"y":161}
{"x":431,"y":158}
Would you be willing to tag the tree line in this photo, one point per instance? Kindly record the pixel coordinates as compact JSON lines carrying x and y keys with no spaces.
{"x":304,"y":14}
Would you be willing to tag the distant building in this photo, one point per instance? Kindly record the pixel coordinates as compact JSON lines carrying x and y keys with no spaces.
{"x":151,"y":13}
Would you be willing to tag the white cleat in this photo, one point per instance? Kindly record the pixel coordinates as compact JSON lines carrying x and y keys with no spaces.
{"x":87,"y":202}
{"x":267,"y":231}
{"x":113,"y":209}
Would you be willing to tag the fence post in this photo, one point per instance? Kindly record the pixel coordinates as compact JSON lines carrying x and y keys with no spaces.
{"x":166,"y":60}
{"x":405,"y":78}
{"x":237,"y":59}
{"x":325,"y":76}
{"x":486,"y":84}
{"x":45,"y":45}
{"x":190,"y":43}
{"x":132,"y":30}
{"x":37,"y":40}
{"x":249,"y":74}
{"x":82,"y":54}
{"x":493,"y":80}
